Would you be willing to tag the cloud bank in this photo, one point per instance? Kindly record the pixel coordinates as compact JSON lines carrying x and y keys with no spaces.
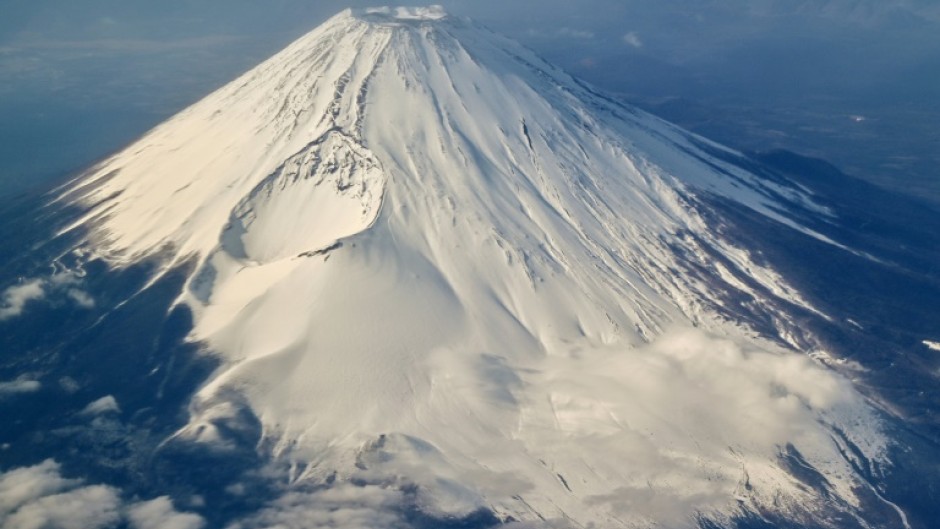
{"x":39,"y":497}
{"x":692,"y":424}
{"x":160,"y":514}
{"x":345,"y":506}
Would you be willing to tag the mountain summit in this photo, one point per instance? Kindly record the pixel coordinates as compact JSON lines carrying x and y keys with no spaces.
{"x":432,"y":264}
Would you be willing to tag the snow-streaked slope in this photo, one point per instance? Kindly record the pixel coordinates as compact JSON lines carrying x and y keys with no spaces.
{"x":428,"y":257}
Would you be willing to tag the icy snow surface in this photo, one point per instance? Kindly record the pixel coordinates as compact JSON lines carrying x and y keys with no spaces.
{"x":426,"y":256}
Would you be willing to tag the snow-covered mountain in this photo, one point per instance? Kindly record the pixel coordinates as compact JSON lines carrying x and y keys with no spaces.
{"x":431,"y":265}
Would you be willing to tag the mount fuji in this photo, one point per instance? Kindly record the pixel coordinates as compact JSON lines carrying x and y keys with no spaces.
{"x":405,"y":273}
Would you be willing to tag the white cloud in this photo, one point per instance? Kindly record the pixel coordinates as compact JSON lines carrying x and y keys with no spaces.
{"x":561,"y":33}
{"x":344,"y":506}
{"x":91,"y":507}
{"x":633,"y":39}
{"x":19,"y":386}
{"x":107,"y":404}
{"x":160,"y":514}
{"x":81,"y":298}
{"x":658,"y":432}
{"x":63,"y":279}
{"x":23,"y":485}
{"x":15,"y":298}
{"x":674,"y":424}
{"x":38,"y":497}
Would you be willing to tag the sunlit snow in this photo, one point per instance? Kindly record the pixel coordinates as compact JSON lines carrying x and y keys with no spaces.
{"x":426,"y":256}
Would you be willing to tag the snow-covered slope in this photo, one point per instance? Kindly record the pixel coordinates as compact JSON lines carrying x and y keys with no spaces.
{"x":427,"y":257}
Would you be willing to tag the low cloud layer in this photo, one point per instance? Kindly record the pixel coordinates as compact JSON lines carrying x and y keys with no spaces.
{"x":343,"y":507}
{"x":39,"y":497}
{"x":19,"y":386}
{"x":692,"y":424}
{"x":681,"y":424}
{"x":160,"y":514}
{"x":16,"y":297}
{"x":58,"y":287}
{"x":104,"y":405}
{"x":633,"y":39}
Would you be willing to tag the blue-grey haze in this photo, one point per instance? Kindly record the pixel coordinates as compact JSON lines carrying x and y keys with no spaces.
{"x":854,"y":81}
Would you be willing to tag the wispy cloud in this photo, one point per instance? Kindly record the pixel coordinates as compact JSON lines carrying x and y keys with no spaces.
{"x":567,"y":33}
{"x":633,"y":39}
{"x":345,"y":506}
{"x":576,"y":33}
{"x":19,"y":386}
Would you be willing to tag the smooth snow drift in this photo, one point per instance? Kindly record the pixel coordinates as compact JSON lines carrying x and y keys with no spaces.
{"x":427,"y":257}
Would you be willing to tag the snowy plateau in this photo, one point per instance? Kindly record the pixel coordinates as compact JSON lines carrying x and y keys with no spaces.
{"x":444,"y":284}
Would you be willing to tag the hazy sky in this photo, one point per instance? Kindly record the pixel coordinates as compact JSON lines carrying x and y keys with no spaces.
{"x":80,"y":79}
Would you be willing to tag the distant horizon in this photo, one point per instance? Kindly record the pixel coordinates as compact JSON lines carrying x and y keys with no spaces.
{"x":82,"y":80}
